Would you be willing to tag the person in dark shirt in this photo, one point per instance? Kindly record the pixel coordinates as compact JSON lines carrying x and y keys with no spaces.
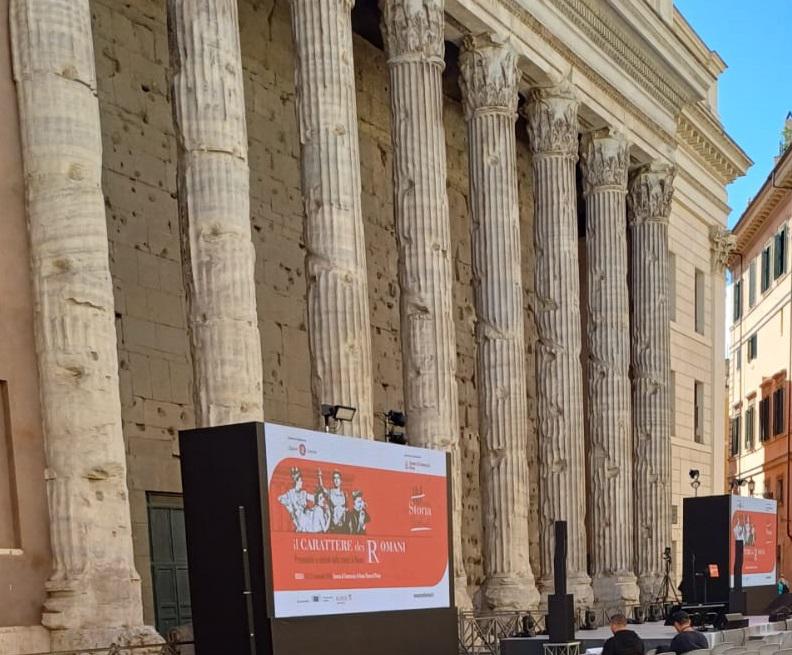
{"x":688,"y":638}
{"x":623,"y":641}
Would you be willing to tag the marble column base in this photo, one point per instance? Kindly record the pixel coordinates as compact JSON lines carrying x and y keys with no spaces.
{"x":104,"y":637}
{"x":507,"y":592}
{"x":649,"y":586}
{"x":578,"y":584}
{"x":615,"y":592}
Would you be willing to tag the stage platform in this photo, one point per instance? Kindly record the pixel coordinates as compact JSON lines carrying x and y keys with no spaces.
{"x":655,"y":635}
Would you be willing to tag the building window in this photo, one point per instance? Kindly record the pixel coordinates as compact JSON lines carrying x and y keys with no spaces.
{"x":752,"y":283}
{"x":738,"y":358}
{"x":674,"y":514}
{"x":735,"y":436}
{"x":698,"y":412}
{"x":671,"y":286}
{"x":753,"y":346}
{"x":778,"y":411}
{"x":779,"y":263}
{"x":779,"y":492}
{"x":766,"y":269}
{"x":750,"y":421}
{"x":764,"y":419}
{"x":699,"y":301}
{"x":737,"y":300}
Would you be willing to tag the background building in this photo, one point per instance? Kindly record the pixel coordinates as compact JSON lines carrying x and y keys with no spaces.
{"x":760,"y":352}
{"x":174,"y":158}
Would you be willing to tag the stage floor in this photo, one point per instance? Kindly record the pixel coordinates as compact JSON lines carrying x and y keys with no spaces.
{"x":653,"y":634}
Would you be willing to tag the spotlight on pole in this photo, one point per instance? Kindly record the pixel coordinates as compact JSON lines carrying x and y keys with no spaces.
{"x":695,"y":474}
{"x":395,"y":422}
{"x":334,"y":415}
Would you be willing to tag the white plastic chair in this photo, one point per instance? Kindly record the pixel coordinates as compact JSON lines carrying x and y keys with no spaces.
{"x":769,"y":649}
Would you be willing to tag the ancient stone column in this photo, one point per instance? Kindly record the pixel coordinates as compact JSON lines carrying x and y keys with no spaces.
{"x":649,"y":200}
{"x":93,"y":594}
{"x":489,"y":88}
{"x":413,"y":32}
{"x":338,"y":307}
{"x":605,"y":159}
{"x":553,"y":132}
{"x":214,"y":207}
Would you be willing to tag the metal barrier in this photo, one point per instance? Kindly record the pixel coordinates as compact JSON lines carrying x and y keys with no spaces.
{"x":481,"y":635}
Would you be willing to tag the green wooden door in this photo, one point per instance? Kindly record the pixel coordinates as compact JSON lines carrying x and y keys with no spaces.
{"x":169,"y":561}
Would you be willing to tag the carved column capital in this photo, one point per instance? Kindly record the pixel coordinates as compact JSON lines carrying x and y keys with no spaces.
{"x":604,"y":159}
{"x":552,"y":120}
{"x":488,"y":79}
{"x":413,"y":30}
{"x":722,"y":245}
{"x":650,"y":193}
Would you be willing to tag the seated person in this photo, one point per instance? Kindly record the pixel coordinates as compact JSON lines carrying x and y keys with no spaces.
{"x":623,"y":641}
{"x":688,"y":638}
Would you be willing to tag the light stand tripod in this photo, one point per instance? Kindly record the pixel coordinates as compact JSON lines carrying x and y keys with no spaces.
{"x":668,"y":589}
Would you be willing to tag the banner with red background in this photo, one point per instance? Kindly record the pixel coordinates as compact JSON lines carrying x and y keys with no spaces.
{"x":754,"y":522}
{"x":355,"y":525}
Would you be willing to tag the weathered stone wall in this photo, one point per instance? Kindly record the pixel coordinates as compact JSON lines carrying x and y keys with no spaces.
{"x":140,"y":186}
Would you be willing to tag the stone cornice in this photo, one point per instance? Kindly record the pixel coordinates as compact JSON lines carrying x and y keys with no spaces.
{"x":774,"y":191}
{"x":488,"y":75}
{"x":581,"y":65}
{"x":703,"y":135}
{"x":632,"y":56}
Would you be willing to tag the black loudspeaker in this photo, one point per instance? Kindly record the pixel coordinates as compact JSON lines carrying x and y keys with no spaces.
{"x":780,"y":609}
{"x":560,"y":605}
{"x":737,"y":599}
{"x":732,"y":621}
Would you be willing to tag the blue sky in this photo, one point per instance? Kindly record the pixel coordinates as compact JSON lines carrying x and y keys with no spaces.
{"x":753,"y":37}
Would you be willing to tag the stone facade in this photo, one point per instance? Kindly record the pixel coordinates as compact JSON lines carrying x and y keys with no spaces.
{"x":142,"y":145}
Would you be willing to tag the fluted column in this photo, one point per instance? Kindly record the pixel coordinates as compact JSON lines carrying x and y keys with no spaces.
{"x":489,"y":88}
{"x":413,"y":31}
{"x":338,"y":307}
{"x":649,"y":200}
{"x":553,"y":133}
{"x":214,"y":207}
{"x":605,"y":159}
{"x":93,"y":594}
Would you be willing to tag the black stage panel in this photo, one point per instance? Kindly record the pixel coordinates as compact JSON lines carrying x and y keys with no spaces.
{"x":705,"y":540}
{"x":220,"y":473}
{"x":223,"y":469}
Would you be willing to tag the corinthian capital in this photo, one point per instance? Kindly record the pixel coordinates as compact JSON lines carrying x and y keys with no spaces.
{"x":552,"y":120}
{"x":722,"y":246}
{"x":413,"y":29}
{"x":604,"y":158}
{"x":651,"y":191}
{"x":489,"y":75}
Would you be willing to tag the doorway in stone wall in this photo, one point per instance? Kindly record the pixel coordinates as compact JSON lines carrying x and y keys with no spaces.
{"x":169,"y":577}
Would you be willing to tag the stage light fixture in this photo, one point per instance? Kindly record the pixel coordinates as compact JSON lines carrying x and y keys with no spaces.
{"x":695,"y":474}
{"x":395,"y":422}
{"x":335,"y":414}
{"x":639,"y":615}
{"x":735,"y":483}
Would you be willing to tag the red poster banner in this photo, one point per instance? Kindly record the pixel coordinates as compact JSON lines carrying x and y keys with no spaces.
{"x":335,"y":526}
